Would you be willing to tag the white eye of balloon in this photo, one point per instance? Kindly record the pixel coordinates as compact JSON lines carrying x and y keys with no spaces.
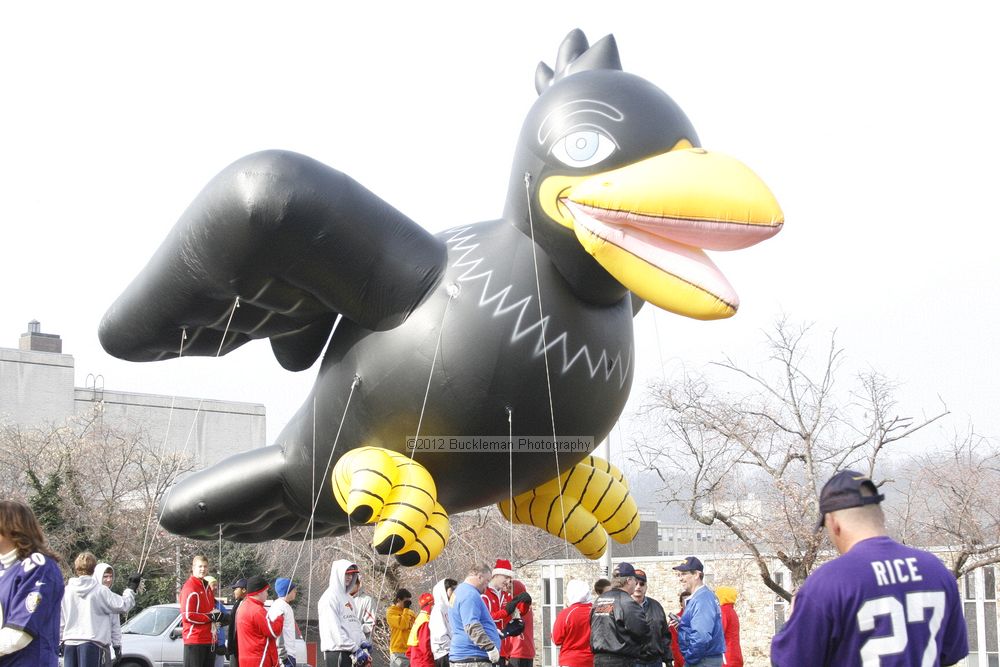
{"x":583,"y":148}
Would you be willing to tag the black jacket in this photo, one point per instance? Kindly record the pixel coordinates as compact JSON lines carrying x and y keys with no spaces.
{"x":657,"y":649}
{"x":618,"y":625}
{"x":232,"y":645}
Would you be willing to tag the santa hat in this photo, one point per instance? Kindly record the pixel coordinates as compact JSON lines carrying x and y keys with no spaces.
{"x":503,"y":567}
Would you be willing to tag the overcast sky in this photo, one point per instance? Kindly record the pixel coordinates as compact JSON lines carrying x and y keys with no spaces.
{"x":875,"y":124}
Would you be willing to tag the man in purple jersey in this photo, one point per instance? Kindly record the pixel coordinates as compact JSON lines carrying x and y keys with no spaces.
{"x":880,"y":604}
{"x":31,"y":591}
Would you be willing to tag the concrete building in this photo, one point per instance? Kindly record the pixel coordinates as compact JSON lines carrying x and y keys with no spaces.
{"x":37,"y":389}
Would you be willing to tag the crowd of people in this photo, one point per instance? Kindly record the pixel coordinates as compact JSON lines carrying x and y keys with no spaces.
{"x":879,"y":603}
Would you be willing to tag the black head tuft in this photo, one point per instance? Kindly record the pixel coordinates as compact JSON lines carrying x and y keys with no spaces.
{"x":576,"y":55}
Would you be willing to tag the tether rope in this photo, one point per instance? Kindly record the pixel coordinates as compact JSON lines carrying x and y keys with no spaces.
{"x":194,"y":422}
{"x":545,"y":354}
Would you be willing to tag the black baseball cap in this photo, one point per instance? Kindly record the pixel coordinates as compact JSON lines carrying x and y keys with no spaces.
{"x":239,"y":583}
{"x":690,"y":564}
{"x":844,"y":490}
{"x":624,"y":570}
{"x":640,"y":575}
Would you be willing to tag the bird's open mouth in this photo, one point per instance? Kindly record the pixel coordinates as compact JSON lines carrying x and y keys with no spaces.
{"x":647,"y":224}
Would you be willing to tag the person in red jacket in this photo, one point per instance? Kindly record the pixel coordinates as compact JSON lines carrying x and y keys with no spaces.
{"x":496,"y":596}
{"x":521,"y":646}
{"x":674,"y":646}
{"x":730,"y":626}
{"x":198,"y":612}
{"x":571,"y":629}
{"x":418,"y":645}
{"x":258,"y":634}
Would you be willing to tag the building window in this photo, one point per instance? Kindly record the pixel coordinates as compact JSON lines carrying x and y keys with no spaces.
{"x":979,"y":588}
{"x":552,"y":604}
{"x":780,"y":603}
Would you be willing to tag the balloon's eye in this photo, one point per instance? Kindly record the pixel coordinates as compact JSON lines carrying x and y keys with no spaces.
{"x":583,"y":148}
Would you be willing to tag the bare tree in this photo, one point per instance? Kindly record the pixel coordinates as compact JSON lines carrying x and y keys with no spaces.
{"x":750,"y":449}
{"x":950,"y":498}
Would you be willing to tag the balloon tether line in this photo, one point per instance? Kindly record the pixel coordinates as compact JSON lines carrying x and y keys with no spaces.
{"x":545,"y":355}
{"x":194,"y":423}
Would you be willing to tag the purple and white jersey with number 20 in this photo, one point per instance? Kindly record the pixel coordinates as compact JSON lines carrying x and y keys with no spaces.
{"x":882,"y":604}
{"x":31,"y":592}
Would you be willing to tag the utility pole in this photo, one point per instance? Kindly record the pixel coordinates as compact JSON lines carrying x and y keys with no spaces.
{"x":604,"y":450}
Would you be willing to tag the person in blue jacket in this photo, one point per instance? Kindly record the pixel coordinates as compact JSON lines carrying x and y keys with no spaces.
{"x":475,"y":640}
{"x":699,"y":630}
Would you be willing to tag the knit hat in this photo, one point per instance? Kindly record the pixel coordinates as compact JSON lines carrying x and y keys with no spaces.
{"x":503,"y":567}
{"x":256,"y":584}
{"x":283,"y":586}
{"x":425,"y":600}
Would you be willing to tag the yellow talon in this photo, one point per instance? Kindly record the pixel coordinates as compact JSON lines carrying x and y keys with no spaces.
{"x":375,"y":485}
{"x":585,"y":506}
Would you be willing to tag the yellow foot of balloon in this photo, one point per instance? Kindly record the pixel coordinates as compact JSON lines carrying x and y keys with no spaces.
{"x":375,"y":485}
{"x":594,"y":500}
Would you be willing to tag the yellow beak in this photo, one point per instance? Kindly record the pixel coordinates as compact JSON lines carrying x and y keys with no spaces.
{"x":648,"y":222}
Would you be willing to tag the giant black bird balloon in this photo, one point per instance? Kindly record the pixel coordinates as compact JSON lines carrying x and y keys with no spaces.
{"x":512,"y":330}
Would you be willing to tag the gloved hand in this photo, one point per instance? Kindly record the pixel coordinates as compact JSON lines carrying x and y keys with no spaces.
{"x":215,"y":615}
{"x":513,"y":628}
{"x":362,"y":657}
{"x":118,"y":651}
{"x":62,"y":649}
{"x":224,"y":618}
{"x":493,"y":655}
{"x":134,"y":581}
{"x":366,"y":646}
{"x":516,"y":600}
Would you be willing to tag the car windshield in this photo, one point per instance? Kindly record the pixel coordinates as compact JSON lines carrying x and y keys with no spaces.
{"x":151,"y":621}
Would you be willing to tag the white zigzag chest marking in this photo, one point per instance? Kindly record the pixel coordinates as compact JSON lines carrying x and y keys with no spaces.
{"x":473,"y":265}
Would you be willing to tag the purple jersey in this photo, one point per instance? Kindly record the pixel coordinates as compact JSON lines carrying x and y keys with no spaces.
{"x":31,"y":593}
{"x":881,"y":604}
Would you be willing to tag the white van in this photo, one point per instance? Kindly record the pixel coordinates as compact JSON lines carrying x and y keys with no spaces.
{"x":153,"y":639}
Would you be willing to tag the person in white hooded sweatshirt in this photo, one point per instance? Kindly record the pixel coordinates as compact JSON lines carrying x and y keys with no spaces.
{"x":87,"y":607}
{"x":439,"y":625}
{"x":341,"y":638}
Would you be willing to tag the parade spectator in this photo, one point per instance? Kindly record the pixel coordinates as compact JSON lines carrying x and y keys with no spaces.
{"x":730,"y":625}
{"x":418,"y":644}
{"x":220,"y":627}
{"x":657,"y":651}
{"x":440,"y":627}
{"x":87,"y":607}
{"x":198,"y":613}
{"x":232,"y":642}
{"x":879,"y":602}
{"x":399,"y":617}
{"x":674,"y":646}
{"x":286,"y":591}
{"x":699,"y":630}
{"x":475,"y":639}
{"x":31,"y":591}
{"x":364,"y":607}
{"x":520,"y":642}
{"x":618,"y":627}
{"x":600,"y":586}
{"x":341,"y":638}
{"x":571,"y":629}
{"x":258,"y":634}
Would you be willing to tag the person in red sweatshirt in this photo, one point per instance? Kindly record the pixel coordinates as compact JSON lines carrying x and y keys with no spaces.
{"x":571,"y":629}
{"x":418,"y":645}
{"x":675,"y":648}
{"x":258,"y":634}
{"x":198,"y":612}
{"x":520,"y":643}
{"x":730,"y":625}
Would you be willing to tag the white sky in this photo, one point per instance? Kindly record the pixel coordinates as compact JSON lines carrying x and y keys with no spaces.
{"x":875,"y":124}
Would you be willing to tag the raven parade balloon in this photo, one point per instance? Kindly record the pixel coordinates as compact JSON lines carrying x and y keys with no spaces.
{"x":467,"y":367}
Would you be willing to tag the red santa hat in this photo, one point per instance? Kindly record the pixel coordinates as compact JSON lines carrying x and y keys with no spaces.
{"x":503,"y":567}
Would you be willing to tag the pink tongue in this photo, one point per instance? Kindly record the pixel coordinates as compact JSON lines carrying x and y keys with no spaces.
{"x":684,"y":261}
{"x":708,"y":234}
